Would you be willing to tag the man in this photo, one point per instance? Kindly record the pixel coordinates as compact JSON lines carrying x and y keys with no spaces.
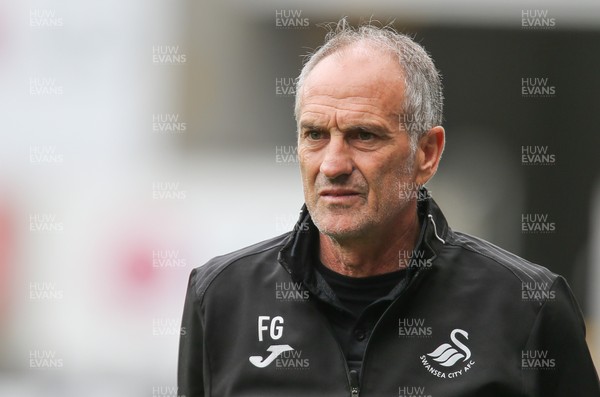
{"x":373,"y":294}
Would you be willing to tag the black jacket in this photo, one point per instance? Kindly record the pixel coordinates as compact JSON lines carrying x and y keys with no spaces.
{"x":469,"y":319}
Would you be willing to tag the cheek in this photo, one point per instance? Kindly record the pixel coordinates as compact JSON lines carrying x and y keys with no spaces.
{"x":384,"y":180}
{"x":309,"y":165}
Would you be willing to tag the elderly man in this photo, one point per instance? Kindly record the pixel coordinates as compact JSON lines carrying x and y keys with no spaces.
{"x":373,"y":294}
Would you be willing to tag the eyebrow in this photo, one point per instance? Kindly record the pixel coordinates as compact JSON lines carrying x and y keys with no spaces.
{"x":353,"y":128}
{"x":311,"y":126}
{"x":368,"y":128}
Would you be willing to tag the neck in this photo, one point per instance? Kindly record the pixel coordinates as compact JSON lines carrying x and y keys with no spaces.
{"x":377,"y":253}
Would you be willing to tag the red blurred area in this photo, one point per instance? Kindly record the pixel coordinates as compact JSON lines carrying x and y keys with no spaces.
{"x":7,"y":250}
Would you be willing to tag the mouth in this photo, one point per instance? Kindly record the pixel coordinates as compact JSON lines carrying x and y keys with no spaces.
{"x":338,"y":192}
{"x":339,"y":195}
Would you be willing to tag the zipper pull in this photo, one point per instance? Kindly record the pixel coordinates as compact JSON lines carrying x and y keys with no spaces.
{"x":354,"y":387}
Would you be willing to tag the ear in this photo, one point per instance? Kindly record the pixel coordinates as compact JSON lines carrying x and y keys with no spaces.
{"x":429,"y":152}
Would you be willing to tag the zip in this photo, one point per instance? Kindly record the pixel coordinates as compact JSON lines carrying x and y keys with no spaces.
{"x":354,"y":386}
{"x":351,"y":376}
{"x":362,"y":368}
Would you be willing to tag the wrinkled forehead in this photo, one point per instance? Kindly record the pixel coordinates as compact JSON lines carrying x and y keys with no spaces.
{"x":360,"y":75}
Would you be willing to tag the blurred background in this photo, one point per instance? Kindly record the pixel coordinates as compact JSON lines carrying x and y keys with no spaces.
{"x":142,"y":138}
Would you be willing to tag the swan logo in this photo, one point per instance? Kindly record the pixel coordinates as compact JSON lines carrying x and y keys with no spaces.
{"x":447,"y":355}
{"x":450,"y":360}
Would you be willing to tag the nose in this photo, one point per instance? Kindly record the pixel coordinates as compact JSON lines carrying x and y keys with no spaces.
{"x":337,"y":160}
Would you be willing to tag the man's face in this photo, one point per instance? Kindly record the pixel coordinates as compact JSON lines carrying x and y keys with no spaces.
{"x":354,"y":158}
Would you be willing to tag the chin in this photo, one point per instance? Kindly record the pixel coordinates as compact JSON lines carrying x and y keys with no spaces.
{"x":340,"y":227}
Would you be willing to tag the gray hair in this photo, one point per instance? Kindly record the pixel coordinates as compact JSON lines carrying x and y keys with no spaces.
{"x":423,"y":99}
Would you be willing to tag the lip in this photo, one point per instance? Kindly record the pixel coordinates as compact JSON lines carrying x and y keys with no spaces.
{"x":339,"y":196}
{"x":338,"y":193}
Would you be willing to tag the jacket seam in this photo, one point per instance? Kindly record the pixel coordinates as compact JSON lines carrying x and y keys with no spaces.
{"x":225,"y":265}
{"x":201,"y":295}
{"x":208,"y":386}
{"x":537,"y":316}
{"x":496,"y":260}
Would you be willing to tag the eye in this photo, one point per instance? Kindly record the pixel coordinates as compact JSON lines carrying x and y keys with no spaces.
{"x":365,"y":136}
{"x":314,"y":135}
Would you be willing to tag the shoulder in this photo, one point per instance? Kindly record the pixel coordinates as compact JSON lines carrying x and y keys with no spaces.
{"x":202,"y":277}
{"x":492,"y":257}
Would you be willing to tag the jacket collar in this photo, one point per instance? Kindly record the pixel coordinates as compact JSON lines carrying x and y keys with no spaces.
{"x":301,"y":248}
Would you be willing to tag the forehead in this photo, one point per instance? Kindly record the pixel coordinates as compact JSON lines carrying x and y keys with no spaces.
{"x":357,"y":80}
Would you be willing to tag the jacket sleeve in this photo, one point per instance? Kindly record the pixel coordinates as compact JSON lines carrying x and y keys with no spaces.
{"x":556,"y":360}
{"x":190,"y":382}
